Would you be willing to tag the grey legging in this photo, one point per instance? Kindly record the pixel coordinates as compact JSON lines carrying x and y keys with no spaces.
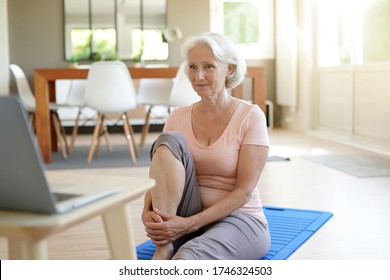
{"x":238,"y":236}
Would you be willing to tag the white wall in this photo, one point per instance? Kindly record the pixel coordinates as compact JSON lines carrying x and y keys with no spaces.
{"x":193,"y":23}
{"x":4,"y":52}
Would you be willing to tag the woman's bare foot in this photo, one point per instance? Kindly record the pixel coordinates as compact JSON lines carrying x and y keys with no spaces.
{"x":164,"y":252}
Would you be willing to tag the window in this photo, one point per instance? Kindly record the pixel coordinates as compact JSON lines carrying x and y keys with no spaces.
{"x":148,"y":44}
{"x":375,"y":31}
{"x":241,"y":22}
{"x":248,"y":23}
{"x":115,"y":29}
{"x":103,"y":46}
{"x":353,"y":31}
{"x":80,"y":44}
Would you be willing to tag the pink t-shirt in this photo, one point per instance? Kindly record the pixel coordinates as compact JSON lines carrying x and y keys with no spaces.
{"x":216,"y":165}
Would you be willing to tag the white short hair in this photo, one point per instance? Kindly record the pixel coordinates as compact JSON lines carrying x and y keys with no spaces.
{"x":223,"y":50}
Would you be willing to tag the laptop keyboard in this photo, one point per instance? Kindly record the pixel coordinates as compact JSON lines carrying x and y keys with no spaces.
{"x":64,"y":196}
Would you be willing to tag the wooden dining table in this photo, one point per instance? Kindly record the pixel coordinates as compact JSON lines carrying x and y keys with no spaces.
{"x":44,"y":88}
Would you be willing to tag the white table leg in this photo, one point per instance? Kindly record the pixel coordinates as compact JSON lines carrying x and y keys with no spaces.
{"x":119,"y":234}
{"x":27,"y":250}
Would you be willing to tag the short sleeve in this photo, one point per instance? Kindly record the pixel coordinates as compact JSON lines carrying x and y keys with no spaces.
{"x":255,"y":129}
{"x":179,"y":119}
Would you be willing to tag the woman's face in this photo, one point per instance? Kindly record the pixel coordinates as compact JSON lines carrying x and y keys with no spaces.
{"x":206,"y":74}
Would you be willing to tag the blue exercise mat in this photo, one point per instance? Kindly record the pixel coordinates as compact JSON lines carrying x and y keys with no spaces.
{"x":289,"y":229}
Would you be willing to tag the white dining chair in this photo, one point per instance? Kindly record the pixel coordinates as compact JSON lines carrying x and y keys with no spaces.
{"x":152,"y":93}
{"x":76,"y":97}
{"x":110,"y":89}
{"x":28,"y":100}
{"x":182,"y":93}
{"x":167,"y":92}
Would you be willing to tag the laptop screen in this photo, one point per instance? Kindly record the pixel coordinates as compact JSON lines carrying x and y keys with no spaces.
{"x":23,"y":184}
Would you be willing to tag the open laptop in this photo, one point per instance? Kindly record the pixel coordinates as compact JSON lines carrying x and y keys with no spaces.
{"x":23,"y":184}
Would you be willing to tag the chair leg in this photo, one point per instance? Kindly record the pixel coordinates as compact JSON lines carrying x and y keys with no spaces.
{"x":97,"y":153}
{"x":59,"y":135}
{"x":94,"y":138}
{"x":132,"y":134}
{"x":106,"y":137}
{"x":63,"y":133}
{"x":31,"y":120}
{"x":103,"y":131}
{"x":145,"y":128}
{"x":75,"y":130}
{"x":128,"y":136}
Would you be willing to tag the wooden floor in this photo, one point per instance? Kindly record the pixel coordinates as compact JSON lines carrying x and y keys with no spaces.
{"x":359,"y":229}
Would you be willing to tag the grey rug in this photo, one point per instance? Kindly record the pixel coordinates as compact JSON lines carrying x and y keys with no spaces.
{"x":118,"y":158}
{"x":358,"y":165}
{"x":277,"y":158}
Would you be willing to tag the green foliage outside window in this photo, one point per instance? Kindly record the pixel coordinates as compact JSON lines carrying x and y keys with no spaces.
{"x":102,"y":47}
{"x":241,"y":22}
{"x":376,"y":32}
{"x":146,"y":45}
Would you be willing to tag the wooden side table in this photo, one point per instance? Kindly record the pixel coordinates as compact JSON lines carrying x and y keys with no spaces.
{"x":27,"y":232}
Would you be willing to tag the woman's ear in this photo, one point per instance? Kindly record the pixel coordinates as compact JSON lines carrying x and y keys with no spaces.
{"x":231,"y":69}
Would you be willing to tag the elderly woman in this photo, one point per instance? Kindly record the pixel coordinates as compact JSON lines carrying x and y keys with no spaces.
{"x":207,"y":163}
